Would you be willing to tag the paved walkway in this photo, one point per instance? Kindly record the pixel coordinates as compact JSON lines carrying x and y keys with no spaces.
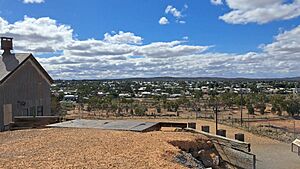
{"x":270,"y":154}
{"x":275,"y":156}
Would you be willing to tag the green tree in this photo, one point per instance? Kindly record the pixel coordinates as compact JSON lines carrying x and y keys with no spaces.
{"x":259,"y":101}
{"x":227,"y":99}
{"x":198,"y":95}
{"x":250,"y":109}
{"x":293,"y":106}
{"x":278,"y":103}
{"x":140,"y":110}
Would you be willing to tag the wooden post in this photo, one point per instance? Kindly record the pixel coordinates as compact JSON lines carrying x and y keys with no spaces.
{"x":221,"y":132}
{"x":240,"y":137}
{"x":254,"y":161}
{"x":241,"y":107}
{"x":205,"y":128}
{"x":216,"y":109}
{"x":191,"y":125}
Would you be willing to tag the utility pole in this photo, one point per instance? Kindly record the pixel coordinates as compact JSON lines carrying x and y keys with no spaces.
{"x":241,"y":107}
{"x":216,"y":112}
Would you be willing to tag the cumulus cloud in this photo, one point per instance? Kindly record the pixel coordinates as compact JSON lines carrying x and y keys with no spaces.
{"x":174,"y":12}
{"x":260,"y":11}
{"x":168,"y":49}
{"x":37,"y":35}
{"x":122,"y":54}
{"x":97,"y":48}
{"x":163,"y":21}
{"x":216,"y":2}
{"x":286,"y":43}
{"x":123,"y":37}
{"x":33,"y":1}
{"x":92,"y":59}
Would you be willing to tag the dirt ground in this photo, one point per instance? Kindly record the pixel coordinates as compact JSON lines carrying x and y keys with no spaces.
{"x":287,"y":125}
{"x":89,"y":148}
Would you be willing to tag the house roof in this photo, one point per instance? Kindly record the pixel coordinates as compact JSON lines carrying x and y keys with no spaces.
{"x":9,"y":64}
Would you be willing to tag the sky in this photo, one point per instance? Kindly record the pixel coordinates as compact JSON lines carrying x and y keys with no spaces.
{"x":95,"y":39}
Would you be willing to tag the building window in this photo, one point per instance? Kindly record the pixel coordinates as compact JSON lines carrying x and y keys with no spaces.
{"x":40,"y":110}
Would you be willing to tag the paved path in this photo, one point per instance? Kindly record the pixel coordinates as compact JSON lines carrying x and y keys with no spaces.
{"x":271,"y":154}
{"x":275,"y":156}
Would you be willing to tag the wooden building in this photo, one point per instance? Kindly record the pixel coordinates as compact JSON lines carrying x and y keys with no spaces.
{"x":24,"y":86}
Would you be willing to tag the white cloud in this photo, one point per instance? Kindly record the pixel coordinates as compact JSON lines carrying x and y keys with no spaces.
{"x":112,"y":56}
{"x":122,"y":37}
{"x":286,"y":43}
{"x":260,"y":11}
{"x":163,"y":21}
{"x":168,"y":49}
{"x":37,"y":35}
{"x":98,"y":48}
{"x":175,"y":13}
{"x":172,"y":10}
{"x":101,"y":59}
{"x":216,"y":2}
{"x":33,"y":1}
{"x":182,"y":22}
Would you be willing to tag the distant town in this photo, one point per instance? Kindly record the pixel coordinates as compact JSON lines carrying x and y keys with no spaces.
{"x":79,"y":90}
{"x":130,"y":96}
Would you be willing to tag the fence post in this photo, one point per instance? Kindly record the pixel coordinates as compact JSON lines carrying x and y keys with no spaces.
{"x":254,"y":161}
{"x":205,"y":129}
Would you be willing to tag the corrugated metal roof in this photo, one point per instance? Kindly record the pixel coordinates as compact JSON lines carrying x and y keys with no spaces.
{"x":106,"y":124}
{"x":10,"y":63}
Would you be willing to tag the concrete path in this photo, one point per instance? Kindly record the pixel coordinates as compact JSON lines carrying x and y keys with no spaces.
{"x":275,"y":156}
{"x":270,"y":154}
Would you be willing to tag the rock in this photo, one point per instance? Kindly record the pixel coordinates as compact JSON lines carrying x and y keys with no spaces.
{"x":209,"y":143}
{"x":188,"y":160}
{"x":216,"y":160}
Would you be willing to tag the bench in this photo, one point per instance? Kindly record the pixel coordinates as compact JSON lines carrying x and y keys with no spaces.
{"x":296,"y":143}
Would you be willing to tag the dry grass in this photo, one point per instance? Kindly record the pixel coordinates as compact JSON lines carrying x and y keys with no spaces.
{"x":89,"y":148}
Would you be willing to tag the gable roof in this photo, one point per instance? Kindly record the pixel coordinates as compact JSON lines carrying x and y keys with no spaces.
{"x":9,"y":64}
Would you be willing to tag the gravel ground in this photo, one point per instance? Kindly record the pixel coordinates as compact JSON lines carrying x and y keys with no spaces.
{"x":90,"y":148}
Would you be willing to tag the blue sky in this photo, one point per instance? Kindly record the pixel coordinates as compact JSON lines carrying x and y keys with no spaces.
{"x":202,"y":26}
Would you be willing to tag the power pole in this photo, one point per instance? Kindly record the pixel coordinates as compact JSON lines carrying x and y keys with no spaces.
{"x":241,"y":107}
{"x":216,"y":112}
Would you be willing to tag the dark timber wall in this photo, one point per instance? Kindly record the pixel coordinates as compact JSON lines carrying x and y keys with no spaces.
{"x":25,"y":89}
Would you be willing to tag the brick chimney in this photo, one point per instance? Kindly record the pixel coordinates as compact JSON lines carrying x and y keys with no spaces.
{"x":6,"y":45}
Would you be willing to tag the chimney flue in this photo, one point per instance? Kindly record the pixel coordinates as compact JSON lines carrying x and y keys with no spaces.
{"x":6,"y":45}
